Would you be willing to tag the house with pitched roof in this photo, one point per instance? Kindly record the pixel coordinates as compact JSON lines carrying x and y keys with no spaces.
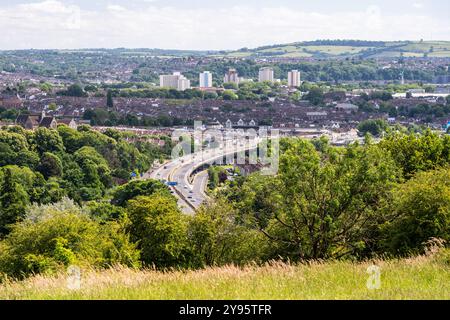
{"x":32,"y":122}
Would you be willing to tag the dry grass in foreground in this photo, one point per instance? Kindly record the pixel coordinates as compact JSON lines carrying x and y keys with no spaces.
{"x":423,"y":277}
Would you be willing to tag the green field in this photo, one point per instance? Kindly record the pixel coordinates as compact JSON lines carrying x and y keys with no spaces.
{"x":389,"y":49}
{"x":414,"y":278}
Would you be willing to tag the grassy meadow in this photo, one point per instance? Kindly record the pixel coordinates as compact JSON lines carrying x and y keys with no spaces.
{"x":422,"y":277}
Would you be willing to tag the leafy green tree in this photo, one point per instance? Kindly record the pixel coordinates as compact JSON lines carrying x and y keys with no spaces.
{"x":74,"y":90}
{"x":90,"y":88}
{"x":161,"y":230}
{"x":230,"y":86}
{"x":421,"y":211}
{"x":229,"y":95}
{"x":213,"y":178}
{"x":52,"y":191}
{"x":218,"y":237}
{"x":27,"y":158}
{"x":105,"y":211}
{"x":210,"y":96}
{"x":414,"y":153}
{"x":315,"y":96}
{"x":7,"y":155}
{"x":52,"y":106}
{"x":13,"y":201}
{"x":131,"y":159}
{"x":47,"y":140}
{"x":32,"y":182}
{"x":96,"y":172}
{"x":255,"y":196}
{"x":137,"y":188}
{"x":114,"y":134}
{"x":374,"y":127}
{"x":56,"y":238}
{"x":72,"y":139}
{"x":326,"y":204}
{"x":109,"y":100}
{"x":381,"y":95}
{"x":50,"y":165}
{"x":46,"y":87}
{"x":16,"y":141}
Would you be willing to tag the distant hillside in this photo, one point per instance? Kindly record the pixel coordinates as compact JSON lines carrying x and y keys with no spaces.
{"x":349,"y":48}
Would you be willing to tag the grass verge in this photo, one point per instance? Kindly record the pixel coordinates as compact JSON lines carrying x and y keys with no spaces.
{"x":422,"y":277}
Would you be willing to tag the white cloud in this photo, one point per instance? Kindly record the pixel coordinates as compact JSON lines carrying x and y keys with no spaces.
{"x":47,"y":6}
{"x":114,"y":7}
{"x":418,"y":5}
{"x":53,"y":24}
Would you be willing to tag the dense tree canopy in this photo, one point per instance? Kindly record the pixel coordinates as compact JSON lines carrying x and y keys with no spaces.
{"x":44,"y":165}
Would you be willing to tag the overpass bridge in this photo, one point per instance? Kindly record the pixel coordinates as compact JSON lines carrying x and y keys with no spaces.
{"x":190,"y":189}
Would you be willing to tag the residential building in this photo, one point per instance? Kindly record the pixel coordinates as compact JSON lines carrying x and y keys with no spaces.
{"x":294,"y":79}
{"x":28,"y":122}
{"x":317,"y":115}
{"x":266,"y":74}
{"x":32,"y":122}
{"x":416,"y":91}
{"x":231,"y":76}
{"x":70,"y":122}
{"x":175,"y":81}
{"x":214,"y":125}
{"x":442,"y":90}
{"x":206,"y":80}
{"x":347,"y":107}
{"x":10,"y":101}
{"x":49,"y":123}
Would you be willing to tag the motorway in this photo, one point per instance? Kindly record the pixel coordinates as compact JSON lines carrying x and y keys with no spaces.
{"x":190,"y":189}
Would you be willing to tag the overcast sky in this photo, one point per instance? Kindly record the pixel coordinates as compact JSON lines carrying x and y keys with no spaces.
{"x":213,"y":24}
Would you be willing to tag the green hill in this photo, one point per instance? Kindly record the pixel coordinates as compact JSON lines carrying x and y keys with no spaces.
{"x":349,"y":48}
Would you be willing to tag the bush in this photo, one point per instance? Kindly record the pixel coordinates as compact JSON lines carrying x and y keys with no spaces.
{"x":138,"y":188}
{"x":56,"y":236}
{"x":217,"y":237}
{"x":422,"y":211}
{"x":104,"y":211}
{"x":374,"y":127}
{"x":160,"y":230}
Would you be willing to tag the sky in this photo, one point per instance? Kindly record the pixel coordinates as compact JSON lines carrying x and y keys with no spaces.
{"x":214,"y":25}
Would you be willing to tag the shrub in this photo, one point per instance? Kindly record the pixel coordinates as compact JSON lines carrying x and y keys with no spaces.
{"x":138,"y":188}
{"x":422,"y":211}
{"x":217,"y":237}
{"x":56,"y":236}
{"x":160,"y":230}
